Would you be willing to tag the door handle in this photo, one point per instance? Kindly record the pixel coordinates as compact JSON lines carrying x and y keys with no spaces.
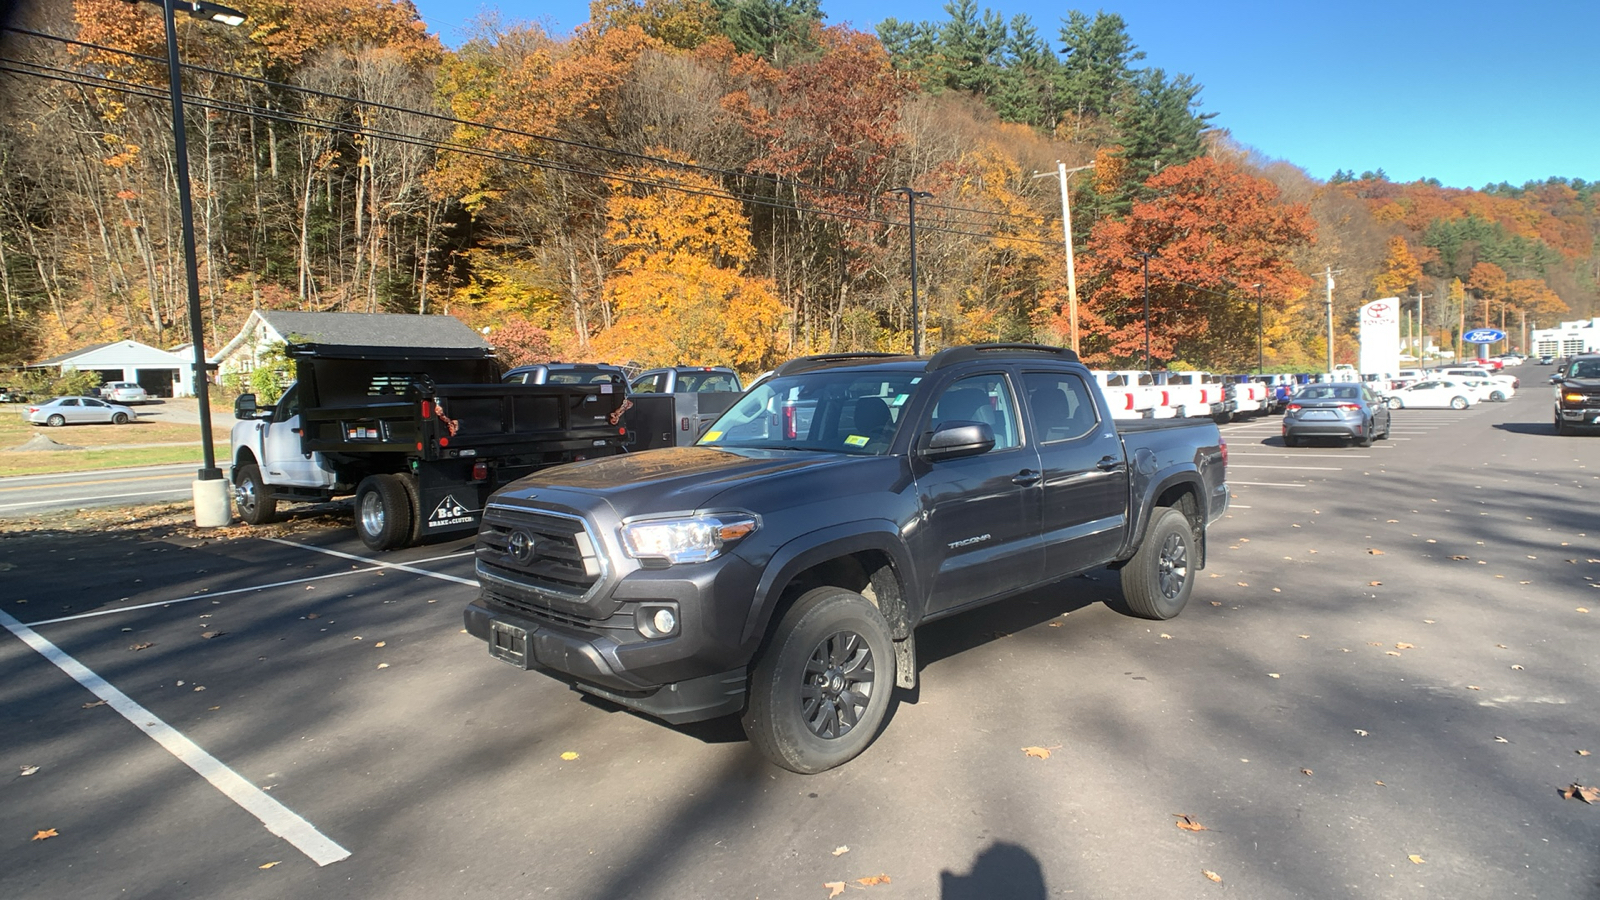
{"x":1027,"y":478}
{"x":1108,"y":464}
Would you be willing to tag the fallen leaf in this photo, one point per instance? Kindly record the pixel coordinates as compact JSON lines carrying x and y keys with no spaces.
{"x":1575,"y":792}
{"x":871,"y":880}
{"x":383,"y":665}
{"x":1500,"y":740}
{"x":141,"y":646}
{"x":840,"y":851}
{"x":208,"y":635}
{"x":29,"y":770}
{"x":313,"y":615}
{"x":1055,"y":624}
{"x":1037,"y":752}
{"x":1359,"y":731}
{"x":1583,"y":753}
{"x":49,"y":833}
{"x":1416,"y":860}
{"x":1305,"y":771}
{"x":1211,"y":875}
{"x":380,"y":643}
{"x":1304,"y":636}
{"x":1427,"y":621}
{"x":1518,"y":668}
{"x":1216,"y":603}
{"x":1583,"y":609}
{"x":1473,"y":687}
{"x":1244,"y":584}
{"x":1501,"y":646}
{"x":835,"y":888}
{"x":1374,"y":551}
{"x":569,"y":756}
{"x":1374,"y":584}
{"x":93,"y":704}
{"x":1380,"y":784}
{"x":1402,"y":645}
{"x":1391,"y":653}
{"x":1273,"y":675}
{"x":1189,"y":823}
{"x":1166,"y":636}
{"x":270,"y":864}
{"x":1460,"y":557}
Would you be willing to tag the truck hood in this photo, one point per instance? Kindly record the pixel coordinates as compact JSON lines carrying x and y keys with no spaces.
{"x":664,"y":480}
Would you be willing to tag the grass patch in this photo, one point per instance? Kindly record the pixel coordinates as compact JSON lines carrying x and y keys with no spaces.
{"x":49,"y":462}
{"x":146,"y":442}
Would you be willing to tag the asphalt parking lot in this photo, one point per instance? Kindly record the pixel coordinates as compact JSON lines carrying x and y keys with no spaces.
{"x":1383,"y":681}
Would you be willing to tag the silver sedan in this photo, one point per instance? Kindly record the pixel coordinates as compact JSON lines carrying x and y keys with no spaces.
{"x":77,"y":411}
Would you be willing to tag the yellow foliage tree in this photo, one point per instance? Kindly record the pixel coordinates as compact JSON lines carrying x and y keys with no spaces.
{"x":1400,"y":270}
{"x":677,"y":292}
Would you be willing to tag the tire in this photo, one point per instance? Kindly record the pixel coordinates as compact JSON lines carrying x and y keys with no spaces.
{"x":119,"y":419}
{"x":256,"y":505}
{"x":56,"y":421}
{"x":1498,"y":396}
{"x":1562,"y":428}
{"x":1157,"y":581}
{"x":1291,"y":441}
{"x":1366,"y":435}
{"x":1396,"y":403}
{"x":1388,"y":424}
{"x":383,"y":512}
{"x":1458,"y":403}
{"x":837,"y":636}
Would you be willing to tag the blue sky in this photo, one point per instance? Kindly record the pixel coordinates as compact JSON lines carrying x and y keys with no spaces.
{"x":1468,"y":92}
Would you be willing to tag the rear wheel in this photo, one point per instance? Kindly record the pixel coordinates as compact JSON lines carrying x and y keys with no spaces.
{"x":56,"y":421}
{"x":256,"y":506}
{"x":1396,"y":403}
{"x":822,"y":687}
{"x":1290,"y":440}
{"x":1458,"y":403}
{"x":1157,"y":581}
{"x":1498,"y":396}
{"x":383,"y":512}
{"x":1365,"y":440}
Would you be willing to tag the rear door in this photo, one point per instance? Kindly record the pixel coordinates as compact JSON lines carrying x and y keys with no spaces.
{"x":980,"y":513}
{"x":1084,"y":501}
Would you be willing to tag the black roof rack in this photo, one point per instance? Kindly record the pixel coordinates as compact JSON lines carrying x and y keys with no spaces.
{"x":952,"y":355}
{"x":826,"y":359}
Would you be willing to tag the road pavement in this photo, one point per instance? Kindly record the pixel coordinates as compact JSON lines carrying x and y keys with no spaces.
{"x":1383,"y":681}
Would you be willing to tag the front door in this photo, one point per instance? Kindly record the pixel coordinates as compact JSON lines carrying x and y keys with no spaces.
{"x":980,"y":513}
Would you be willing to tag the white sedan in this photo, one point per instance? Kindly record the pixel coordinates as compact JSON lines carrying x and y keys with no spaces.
{"x":1433,"y":393}
{"x":77,"y":411}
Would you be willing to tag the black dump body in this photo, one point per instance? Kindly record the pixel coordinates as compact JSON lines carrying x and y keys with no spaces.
{"x":435,"y":403}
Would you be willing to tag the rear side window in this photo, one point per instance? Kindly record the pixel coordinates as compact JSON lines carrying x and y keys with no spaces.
{"x":1061,"y":406}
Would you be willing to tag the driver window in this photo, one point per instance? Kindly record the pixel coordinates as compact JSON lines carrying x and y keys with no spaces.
{"x":980,"y":398}
{"x":289,"y":404}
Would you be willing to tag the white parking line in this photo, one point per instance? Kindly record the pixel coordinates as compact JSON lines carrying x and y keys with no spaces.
{"x":1233,"y":452}
{"x":279,"y":819}
{"x":1231,"y":482}
{"x":244,"y":590}
{"x":1301,"y":468}
{"x":471,"y":582}
{"x":182,"y":492}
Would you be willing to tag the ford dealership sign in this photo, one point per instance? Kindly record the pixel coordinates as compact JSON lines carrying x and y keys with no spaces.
{"x":1484,"y":336}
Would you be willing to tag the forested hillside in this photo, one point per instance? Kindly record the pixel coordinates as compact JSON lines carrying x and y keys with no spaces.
{"x":714,"y":181}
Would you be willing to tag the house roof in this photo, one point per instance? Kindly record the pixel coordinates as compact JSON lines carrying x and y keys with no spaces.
{"x":373,"y":329}
{"x":113,"y":355}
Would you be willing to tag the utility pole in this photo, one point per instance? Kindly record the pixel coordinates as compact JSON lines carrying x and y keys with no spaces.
{"x":1066,"y":228}
{"x":1145,"y":257}
{"x":911,"y":224}
{"x":1329,"y":273}
{"x":1422,"y":330}
{"x":1261,"y":352}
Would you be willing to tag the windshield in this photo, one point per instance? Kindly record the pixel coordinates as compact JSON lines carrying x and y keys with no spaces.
{"x":838,"y":412}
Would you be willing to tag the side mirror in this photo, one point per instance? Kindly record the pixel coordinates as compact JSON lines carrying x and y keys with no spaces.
{"x":955,"y":440}
{"x":245,"y":407}
{"x":1556,"y":378}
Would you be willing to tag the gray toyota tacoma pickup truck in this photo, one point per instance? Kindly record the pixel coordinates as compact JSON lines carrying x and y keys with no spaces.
{"x":779,"y":567}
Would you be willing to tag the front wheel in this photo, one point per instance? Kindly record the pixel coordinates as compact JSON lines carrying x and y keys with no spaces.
{"x":1498,"y":396}
{"x":1562,"y":428}
{"x":256,"y":506}
{"x":822,"y":686}
{"x":56,"y":421}
{"x":1458,"y":403}
{"x":119,"y":419}
{"x":1396,"y":403}
{"x":1157,"y":581}
{"x":383,"y":512}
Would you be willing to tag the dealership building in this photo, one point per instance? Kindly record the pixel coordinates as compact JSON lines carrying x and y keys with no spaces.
{"x":1567,"y":339}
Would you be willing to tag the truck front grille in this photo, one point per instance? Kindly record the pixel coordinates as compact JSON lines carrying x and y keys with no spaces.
{"x":550,"y":558}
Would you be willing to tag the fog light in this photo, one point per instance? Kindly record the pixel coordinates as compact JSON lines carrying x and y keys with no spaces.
{"x":664,"y":621}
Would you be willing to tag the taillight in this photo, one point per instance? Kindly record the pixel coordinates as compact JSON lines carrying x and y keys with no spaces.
{"x":1130,"y":400}
{"x":790,"y":429}
{"x":427,"y":409}
{"x":480,"y":471}
{"x":1293,"y":407}
{"x":1165,"y":401}
{"x":1223,"y":442}
{"x":1350,"y":406}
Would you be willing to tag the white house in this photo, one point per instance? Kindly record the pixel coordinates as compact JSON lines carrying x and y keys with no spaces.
{"x":265,"y":328}
{"x":162,"y":373}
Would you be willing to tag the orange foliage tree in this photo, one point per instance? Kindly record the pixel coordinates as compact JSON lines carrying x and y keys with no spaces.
{"x":1215,"y":232}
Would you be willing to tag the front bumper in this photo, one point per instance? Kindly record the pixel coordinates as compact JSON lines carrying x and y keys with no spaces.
{"x":595,"y":665}
{"x":1582,"y":416}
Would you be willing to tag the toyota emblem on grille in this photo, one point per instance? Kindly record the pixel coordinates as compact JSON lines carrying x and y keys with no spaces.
{"x":524,"y":549}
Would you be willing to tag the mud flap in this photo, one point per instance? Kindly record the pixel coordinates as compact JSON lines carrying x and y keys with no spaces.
{"x":905,"y":662}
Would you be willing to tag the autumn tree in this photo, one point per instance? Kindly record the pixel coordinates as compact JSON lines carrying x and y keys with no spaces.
{"x":1400,"y":270}
{"x":1214,"y":232}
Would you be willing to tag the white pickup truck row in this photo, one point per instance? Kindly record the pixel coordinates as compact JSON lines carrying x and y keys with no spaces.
{"x":1135,"y":394}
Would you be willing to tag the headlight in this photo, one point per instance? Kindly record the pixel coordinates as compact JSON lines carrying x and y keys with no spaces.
{"x":1573,"y":398}
{"x":687,"y":540}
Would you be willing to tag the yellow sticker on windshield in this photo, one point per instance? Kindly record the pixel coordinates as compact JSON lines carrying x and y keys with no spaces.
{"x":856,"y":440}
{"x":713,"y":436}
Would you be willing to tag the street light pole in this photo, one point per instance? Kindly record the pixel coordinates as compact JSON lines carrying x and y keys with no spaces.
{"x":1261,"y":353}
{"x":211,"y":507}
{"x":1066,"y":227}
{"x":911,"y":226}
{"x":1144,"y":256}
